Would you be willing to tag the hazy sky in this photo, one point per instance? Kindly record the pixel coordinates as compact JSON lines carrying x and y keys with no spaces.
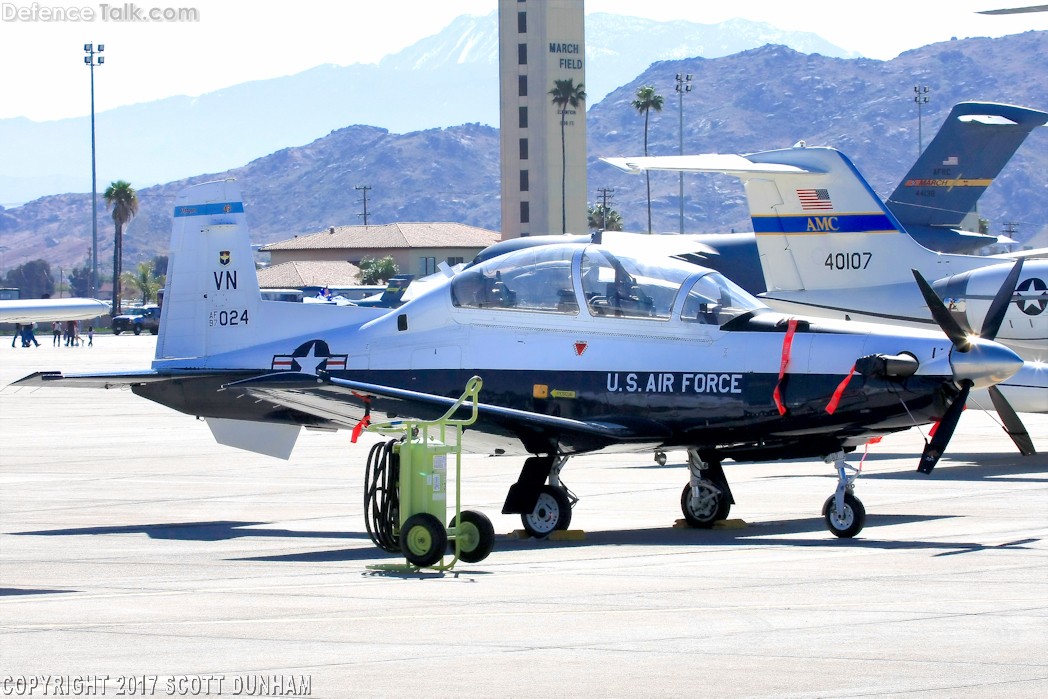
{"x":235,"y":41}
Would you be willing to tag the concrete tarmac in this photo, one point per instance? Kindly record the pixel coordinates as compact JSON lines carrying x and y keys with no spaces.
{"x":138,"y":557}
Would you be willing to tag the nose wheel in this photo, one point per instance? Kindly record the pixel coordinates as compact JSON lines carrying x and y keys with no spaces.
{"x":844,"y":513}
{"x":847,"y":521}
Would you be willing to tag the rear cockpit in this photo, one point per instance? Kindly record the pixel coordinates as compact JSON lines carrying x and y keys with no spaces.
{"x":592,"y":280}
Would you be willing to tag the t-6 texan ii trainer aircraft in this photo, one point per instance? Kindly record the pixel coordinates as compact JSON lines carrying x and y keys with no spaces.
{"x":580,"y":350}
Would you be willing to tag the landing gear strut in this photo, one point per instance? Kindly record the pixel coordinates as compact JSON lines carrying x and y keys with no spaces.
{"x":706,"y":498}
{"x":844,"y":513}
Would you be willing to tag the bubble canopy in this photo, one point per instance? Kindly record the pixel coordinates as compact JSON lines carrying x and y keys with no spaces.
{"x":591,"y":279}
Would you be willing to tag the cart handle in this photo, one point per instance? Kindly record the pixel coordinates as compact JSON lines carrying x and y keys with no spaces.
{"x":471,"y":393}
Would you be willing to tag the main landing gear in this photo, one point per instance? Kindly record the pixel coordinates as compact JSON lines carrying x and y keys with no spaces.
{"x":706,"y":498}
{"x":844,"y":513}
{"x":543,"y":507}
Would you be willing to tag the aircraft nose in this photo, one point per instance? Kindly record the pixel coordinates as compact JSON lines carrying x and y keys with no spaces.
{"x":986,"y":363}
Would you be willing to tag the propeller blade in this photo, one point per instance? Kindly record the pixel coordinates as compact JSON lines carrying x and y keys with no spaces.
{"x":1012,"y":424}
{"x":941,"y":314}
{"x":934,"y":449}
{"x":999,"y":307}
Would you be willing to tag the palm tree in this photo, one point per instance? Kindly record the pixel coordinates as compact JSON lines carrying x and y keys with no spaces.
{"x":565,"y":93}
{"x":647,"y":99}
{"x":121,"y":197}
{"x":600,"y":219}
{"x":145,"y":280}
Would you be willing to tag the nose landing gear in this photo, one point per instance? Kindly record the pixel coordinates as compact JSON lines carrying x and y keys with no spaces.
{"x":844,"y":513}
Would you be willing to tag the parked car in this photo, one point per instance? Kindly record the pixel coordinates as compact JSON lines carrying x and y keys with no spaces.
{"x":137,"y":319}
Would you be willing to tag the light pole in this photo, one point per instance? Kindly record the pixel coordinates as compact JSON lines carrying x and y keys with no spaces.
{"x":92,"y":60}
{"x":683,"y":85}
{"x":920,"y":97}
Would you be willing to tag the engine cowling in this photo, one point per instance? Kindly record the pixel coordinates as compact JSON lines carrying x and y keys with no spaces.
{"x":968,"y":296}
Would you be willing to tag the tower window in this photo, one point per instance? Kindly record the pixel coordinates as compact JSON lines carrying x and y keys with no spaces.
{"x":522,"y":85}
{"x":523,"y":149}
{"x":525,"y":212}
{"x":522,"y":22}
{"x":524,"y":182}
{"x":522,"y":114}
{"x":522,"y":54}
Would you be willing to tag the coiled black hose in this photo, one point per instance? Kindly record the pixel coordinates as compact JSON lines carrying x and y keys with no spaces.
{"x":382,"y":496}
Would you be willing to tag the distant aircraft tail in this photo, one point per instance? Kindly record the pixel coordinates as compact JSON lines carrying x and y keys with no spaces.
{"x":971,"y":148}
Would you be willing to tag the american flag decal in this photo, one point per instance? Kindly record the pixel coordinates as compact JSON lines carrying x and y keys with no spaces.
{"x":814,"y":199}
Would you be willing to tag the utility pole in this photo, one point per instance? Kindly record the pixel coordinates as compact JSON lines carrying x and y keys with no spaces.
{"x":683,"y":85}
{"x":920,"y":98}
{"x":364,"y":188}
{"x":91,"y":60}
{"x":605,"y":194}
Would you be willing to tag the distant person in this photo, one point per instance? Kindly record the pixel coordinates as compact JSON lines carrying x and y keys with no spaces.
{"x":56,"y":333}
{"x":90,"y":336}
{"x":28,"y":335}
{"x":18,"y":334}
{"x":69,"y":333}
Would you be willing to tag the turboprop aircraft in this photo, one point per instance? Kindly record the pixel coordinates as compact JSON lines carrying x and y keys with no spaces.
{"x":580,"y":350}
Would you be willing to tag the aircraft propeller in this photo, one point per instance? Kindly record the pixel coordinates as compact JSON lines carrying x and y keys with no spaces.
{"x":964,"y":343}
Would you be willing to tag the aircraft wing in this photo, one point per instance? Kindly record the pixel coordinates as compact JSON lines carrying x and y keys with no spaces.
{"x":49,"y":310}
{"x":738,"y":165}
{"x":345,"y":402}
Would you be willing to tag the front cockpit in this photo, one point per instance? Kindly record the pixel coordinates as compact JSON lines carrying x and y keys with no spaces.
{"x":569,"y":279}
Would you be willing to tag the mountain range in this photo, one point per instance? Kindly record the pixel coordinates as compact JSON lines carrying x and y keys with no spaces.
{"x":177,"y":137}
{"x":769,"y":97}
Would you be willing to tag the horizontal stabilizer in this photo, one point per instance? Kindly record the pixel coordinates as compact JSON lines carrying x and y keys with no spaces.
{"x":707,"y":162}
{"x":113,"y":380}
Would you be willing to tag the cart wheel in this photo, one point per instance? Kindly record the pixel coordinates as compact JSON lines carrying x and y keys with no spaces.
{"x":552,"y":513}
{"x":423,"y":539}
{"x":475,"y":536}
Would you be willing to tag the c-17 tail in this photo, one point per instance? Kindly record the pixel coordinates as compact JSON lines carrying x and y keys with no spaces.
{"x":968,"y":152}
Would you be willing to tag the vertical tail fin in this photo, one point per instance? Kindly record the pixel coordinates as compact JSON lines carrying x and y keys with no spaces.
{"x":212,"y":294}
{"x":971,"y":148}
{"x":822,"y":224}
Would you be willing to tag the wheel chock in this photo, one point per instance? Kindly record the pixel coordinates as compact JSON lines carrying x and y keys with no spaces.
{"x":723,"y":524}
